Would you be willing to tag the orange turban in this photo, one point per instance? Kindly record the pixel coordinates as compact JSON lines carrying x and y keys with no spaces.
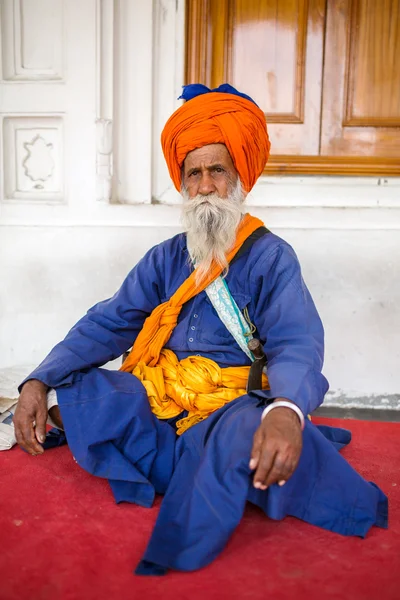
{"x":216,"y":117}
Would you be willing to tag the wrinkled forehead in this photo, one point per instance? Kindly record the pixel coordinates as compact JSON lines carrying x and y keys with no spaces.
{"x":207,"y":156}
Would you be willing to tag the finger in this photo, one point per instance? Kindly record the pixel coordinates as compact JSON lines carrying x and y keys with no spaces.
{"x":290,"y":465}
{"x":21,"y":430}
{"x":256,"y":450}
{"x":29,"y":442}
{"x":18,"y":434}
{"x":40,"y":429}
{"x":290,"y":469}
{"x":264,"y":467}
{"x":288,"y":475}
{"x":280,"y":470}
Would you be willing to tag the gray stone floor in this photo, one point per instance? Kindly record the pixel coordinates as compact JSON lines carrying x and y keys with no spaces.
{"x":363,"y":414}
{"x":382,"y":401}
{"x":366,"y":408}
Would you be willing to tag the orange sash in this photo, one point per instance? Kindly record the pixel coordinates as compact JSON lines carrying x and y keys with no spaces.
{"x":195,"y":384}
{"x":158,"y":327}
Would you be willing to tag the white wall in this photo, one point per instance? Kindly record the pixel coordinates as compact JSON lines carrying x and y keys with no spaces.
{"x":61,"y":254}
{"x":51,"y":275}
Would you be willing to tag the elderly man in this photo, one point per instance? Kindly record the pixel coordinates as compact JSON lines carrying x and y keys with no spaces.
{"x":176,"y":419}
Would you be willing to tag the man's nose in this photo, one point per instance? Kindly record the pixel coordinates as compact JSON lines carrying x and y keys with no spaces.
{"x":206,"y":185}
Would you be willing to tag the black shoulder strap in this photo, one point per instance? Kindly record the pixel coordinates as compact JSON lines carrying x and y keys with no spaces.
{"x":247,"y":244}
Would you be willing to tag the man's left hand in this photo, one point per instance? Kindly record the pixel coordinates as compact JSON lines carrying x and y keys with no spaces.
{"x":276,"y":448}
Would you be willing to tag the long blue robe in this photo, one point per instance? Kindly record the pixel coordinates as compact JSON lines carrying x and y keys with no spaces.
{"x":204,"y":473}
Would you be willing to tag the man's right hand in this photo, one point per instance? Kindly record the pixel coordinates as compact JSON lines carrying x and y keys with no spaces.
{"x":31,"y":408}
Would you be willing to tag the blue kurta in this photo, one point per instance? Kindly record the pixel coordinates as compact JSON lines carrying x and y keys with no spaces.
{"x":204,"y":474}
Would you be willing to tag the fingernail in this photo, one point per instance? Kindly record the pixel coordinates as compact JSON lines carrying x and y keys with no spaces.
{"x":257,"y":484}
{"x":282,"y":482}
{"x":252,"y":463}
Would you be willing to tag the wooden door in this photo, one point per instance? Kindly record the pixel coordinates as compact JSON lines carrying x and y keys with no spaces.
{"x":282,"y":40}
{"x":325,"y":72}
{"x":361,"y":106}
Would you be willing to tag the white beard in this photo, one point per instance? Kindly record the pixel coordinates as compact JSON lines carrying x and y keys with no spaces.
{"x":211,"y":223}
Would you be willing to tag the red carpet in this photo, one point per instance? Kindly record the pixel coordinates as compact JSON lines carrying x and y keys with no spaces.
{"x":63,"y":538}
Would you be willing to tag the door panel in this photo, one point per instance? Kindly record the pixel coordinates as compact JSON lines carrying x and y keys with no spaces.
{"x":47,"y":104}
{"x":272,"y":50}
{"x":325,"y":72}
{"x":361,"y":91}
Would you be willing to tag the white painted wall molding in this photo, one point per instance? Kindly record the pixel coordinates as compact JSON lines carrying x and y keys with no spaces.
{"x":32,"y":40}
{"x":300,"y":192}
{"x":105,"y":99}
{"x":169,"y":61}
{"x":140,"y":76}
{"x":47,"y":109}
{"x":326,"y":192}
{"x":33,"y":158}
{"x":133,"y":100}
{"x":136,"y":94}
{"x":104,"y":159}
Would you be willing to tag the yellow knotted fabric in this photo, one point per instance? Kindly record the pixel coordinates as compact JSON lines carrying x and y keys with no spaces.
{"x":195,"y":384}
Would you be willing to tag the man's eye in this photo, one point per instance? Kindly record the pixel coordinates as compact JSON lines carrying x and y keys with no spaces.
{"x":193,"y":173}
{"x":219,"y":170}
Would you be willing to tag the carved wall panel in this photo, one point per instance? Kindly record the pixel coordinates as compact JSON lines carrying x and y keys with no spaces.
{"x":33,"y":163}
{"x":32,"y":35}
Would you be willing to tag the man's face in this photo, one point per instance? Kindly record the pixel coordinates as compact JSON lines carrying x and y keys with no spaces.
{"x":212,"y":206}
{"x":209,"y":170}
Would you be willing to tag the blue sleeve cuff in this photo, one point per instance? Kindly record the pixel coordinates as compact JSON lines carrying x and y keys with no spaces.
{"x":52,"y":373}
{"x":296,"y":382}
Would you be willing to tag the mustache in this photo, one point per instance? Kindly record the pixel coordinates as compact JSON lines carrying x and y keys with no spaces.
{"x":212,"y":200}
{"x":210,"y":223}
